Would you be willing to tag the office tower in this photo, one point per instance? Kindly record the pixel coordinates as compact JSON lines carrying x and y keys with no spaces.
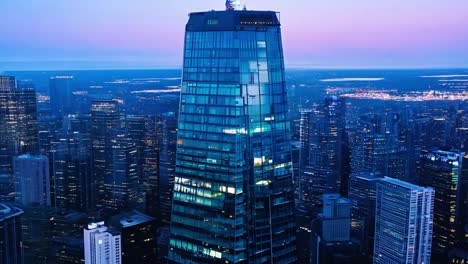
{"x":330,"y":233}
{"x":11,"y":245}
{"x":7,"y":83}
{"x":439,"y":131}
{"x":102,"y":245}
{"x":296,"y":162}
{"x":150,"y":165}
{"x":61,"y":95}
{"x":447,"y":173}
{"x":121,"y":179}
{"x":362,"y":193}
{"x":71,"y":156}
{"x":66,"y":237}
{"x":32,"y":180}
{"x":18,"y":123}
{"x":136,"y":127}
{"x":105,"y":119}
{"x":403,"y":222}
{"x":167,"y":162}
{"x":142,"y":130}
{"x":461,"y":130}
{"x":323,"y":168}
{"x":138,"y":236}
{"x":304,"y":134}
{"x":36,"y":227}
{"x":233,"y":193}
{"x":376,"y":146}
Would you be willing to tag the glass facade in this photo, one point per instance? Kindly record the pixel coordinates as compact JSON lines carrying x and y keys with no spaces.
{"x":443,"y":171}
{"x":233,"y":193}
{"x":323,"y":158}
{"x":362,"y":193}
{"x":18,"y":122}
{"x":403,"y":223}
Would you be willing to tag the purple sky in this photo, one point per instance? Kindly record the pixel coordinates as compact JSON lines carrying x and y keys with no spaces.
{"x":66,"y":34}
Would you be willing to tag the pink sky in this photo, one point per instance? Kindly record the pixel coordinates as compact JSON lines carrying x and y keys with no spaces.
{"x":332,"y":33}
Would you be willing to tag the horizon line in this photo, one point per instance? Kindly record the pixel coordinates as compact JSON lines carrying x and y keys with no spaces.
{"x":293,"y":68}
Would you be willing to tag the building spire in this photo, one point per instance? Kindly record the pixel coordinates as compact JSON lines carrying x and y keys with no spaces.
{"x":233,"y":5}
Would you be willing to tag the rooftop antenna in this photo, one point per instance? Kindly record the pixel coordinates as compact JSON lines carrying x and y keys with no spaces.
{"x":233,"y":5}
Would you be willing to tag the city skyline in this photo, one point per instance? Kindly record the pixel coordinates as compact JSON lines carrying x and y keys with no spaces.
{"x":50,"y":35}
{"x":327,"y":133}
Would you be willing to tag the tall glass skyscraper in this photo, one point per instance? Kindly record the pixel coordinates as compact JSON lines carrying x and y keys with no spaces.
{"x":60,"y":91}
{"x":18,"y":122}
{"x":323,"y":168}
{"x":233,"y":192}
{"x":447,"y":173}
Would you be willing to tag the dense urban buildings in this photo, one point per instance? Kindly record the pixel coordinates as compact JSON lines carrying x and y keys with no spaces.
{"x":232,"y":158}
{"x":233,"y":193}
{"x":11,"y":240}
{"x":403,"y":222}
{"x":18,"y":116}
{"x":323,"y":155}
{"x":331,"y":233}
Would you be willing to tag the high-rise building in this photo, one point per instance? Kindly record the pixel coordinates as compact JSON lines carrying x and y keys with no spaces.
{"x":7,"y":83}
{"x":323,"y":155}
{"x":167,"y":162}
{"x":330,"y":233}
{"x":11,"y":244}
{"x":233,"y":193}
{"x":102,"y":245}
{"x":105,"y":119}
{"x":121,"y":180}
{"x":60,"y":91}
{"x":403,"y":222}
{"x":336,"y":218}
{"x":71,"y":156}
{"x":32,"y":180}
{"x":18,"y":122}
{"x":362,"y":193}
{"x":136,"y":127}
{"x":447,"y":173}
{"x":138,"y":236}
{"x":376,"y":146}
{"x":151,"y":164}
{"x":66,"y":237}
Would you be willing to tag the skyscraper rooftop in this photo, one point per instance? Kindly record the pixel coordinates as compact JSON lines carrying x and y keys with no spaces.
{"x":232,"y":21}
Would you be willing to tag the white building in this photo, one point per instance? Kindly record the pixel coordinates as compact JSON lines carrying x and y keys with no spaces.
{"x":102,"y":245}
{"x":403,"y":223}
{"x":32,"y":180}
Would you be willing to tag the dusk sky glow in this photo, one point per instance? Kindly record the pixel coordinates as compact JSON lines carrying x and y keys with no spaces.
{"x":55,"y":34}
